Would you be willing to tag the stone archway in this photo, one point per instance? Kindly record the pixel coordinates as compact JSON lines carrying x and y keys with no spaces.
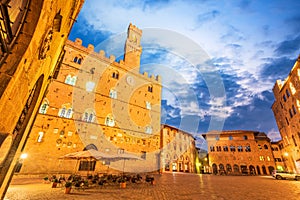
{"x":228,"y":169}
{"x":181,"y":164}
{"x":187,"y":167}
{"x":252,"y":170}
{"x":271,"y":169}
{"x":264,"y":169}
{"x":258,"y":170}
{"x":236,"y":169}
{"x":215,"y":169}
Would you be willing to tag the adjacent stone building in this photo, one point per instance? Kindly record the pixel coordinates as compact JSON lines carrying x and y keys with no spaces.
{"x":278,"y":155}
{"x":95,"y":102}
{"x":239,"y":152}
{"x":33,"y":33}
{"x":178,"y":150}
{"x":286,"y":109}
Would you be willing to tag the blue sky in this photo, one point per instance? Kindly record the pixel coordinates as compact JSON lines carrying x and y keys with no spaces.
{"x":219,"y":59}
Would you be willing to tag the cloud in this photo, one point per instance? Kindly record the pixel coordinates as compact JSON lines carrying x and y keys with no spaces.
{"x":288,"y":47}
{"x":276,"y":69}
{"x":240,"y":61}
{"x":233,"y":34}
{"x":208,"y":16}
{"x":293,"y":21}
{"x":273,"y":135}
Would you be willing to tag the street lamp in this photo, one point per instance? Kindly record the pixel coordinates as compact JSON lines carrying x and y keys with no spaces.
{"x":24,"y":156}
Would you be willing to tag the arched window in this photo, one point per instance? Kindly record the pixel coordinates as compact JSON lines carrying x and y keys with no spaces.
{"x":294,"y":140}
{"x":148,"y":105}
{"x":71,"y":80}
{"x":40,"y":137}
{"x":148,"y":129}
{"x":62,"y":112}
{"x":221,"y":167}
{"x":240,"y":148}
{"x":230,"y":137}
{"x":109,"y":120}
{"x":288,"y":93}
{"x":115,"y":75}
{"x":232,"y":148}
{"x":66,"y":111}
{"x":88,"y":115}
{"x":150,"y":88}
{"x":259,"y":147}
{"x":44,"y":107}
{"x":294,"y":109}
{"x":181,"y":157}
{"x":68,"y":79}
{"x":113,"y":94}
{"x":91,"y":117}
{"x":245,"y":137}
{"x":228,"y":168}
{"x":291,"y":113}
{"x":175,"y":157}
{"x":225,"y":148}
{"x":69,"y":113}
{"x":266,"y":146}
{"x":77,"y":59}
{"x":215,"y":168}
{"x":248,"y":148}
{"x":236,"y":168}
{"x":85,"y":116}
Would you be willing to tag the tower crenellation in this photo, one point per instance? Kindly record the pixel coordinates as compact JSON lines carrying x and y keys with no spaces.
{"x":132,"y":54}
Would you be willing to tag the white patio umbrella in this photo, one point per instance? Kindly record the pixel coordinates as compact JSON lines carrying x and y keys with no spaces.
{"x":91,"y":154}
{"x":125,"y":156}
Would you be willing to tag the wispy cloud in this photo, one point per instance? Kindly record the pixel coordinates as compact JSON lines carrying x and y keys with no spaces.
{"x":245,"y":54}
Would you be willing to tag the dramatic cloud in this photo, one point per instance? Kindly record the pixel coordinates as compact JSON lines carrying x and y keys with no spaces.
{"x":218,"y":59}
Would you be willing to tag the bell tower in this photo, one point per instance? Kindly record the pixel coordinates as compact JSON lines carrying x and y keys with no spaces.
{"x":133,"y":49}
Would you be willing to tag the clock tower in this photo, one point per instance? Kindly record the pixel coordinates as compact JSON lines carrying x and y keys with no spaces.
{"x":133,"y":49}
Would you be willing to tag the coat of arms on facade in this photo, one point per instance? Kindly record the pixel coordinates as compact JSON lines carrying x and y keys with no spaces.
{"x":45,"y":47}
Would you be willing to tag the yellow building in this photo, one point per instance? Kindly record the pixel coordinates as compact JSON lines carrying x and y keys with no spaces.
{"x":33,"y":33}
{"x":278,"y":155}
{"x":286,"y":108}
{"x":239,"y":152}
{"x":178,"y":150}
{"x":95,"y":102}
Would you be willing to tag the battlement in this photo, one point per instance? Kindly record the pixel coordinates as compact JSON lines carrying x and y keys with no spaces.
{"x":111,"y":59}
{"x":135,"y":29}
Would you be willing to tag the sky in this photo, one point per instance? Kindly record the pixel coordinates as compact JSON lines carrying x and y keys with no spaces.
{"x":218,"y":59}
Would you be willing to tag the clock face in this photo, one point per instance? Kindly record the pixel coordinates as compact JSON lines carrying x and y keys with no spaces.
{"x":130,"y":80}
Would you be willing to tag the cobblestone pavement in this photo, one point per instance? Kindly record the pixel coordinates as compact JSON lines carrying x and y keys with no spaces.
{"x":171,"y":186}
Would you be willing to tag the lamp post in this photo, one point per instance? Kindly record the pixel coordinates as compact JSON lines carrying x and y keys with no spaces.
{"x":290,"y":162}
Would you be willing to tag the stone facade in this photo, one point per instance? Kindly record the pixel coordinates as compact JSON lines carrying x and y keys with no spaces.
{"x":33,"y":33}
{"x":286,"y":110}
{"x":239,"y":152}
{"x":178,"y":150}
{"x":95,"y":102}
{"x":278,"y":155}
